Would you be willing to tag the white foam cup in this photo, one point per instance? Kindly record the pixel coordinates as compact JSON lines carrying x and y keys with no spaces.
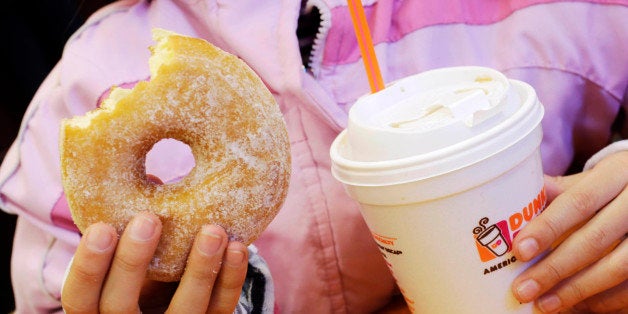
{"x":447,"y":169}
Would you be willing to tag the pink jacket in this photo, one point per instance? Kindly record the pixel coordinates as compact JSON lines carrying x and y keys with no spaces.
{"x":319,"y":250}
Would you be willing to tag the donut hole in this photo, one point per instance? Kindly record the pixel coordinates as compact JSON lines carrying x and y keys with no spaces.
{"x":169,"y":160}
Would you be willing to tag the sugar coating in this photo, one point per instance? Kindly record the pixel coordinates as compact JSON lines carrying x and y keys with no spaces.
{"x":207,"y":99}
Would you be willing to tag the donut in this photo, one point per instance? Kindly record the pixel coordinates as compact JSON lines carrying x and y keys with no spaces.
{"x":207,"y":99}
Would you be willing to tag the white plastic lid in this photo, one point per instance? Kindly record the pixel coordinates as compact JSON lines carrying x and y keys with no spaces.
{"x":432,"y":123}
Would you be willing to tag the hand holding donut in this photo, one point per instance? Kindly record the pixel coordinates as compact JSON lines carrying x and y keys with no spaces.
{"x":108,"y":275}
{"x":588,"y":216}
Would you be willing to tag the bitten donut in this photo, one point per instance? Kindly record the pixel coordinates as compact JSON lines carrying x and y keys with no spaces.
{"x":211,"y":101}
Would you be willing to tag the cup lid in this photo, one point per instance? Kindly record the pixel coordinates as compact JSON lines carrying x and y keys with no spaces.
{"x":431,"y":123}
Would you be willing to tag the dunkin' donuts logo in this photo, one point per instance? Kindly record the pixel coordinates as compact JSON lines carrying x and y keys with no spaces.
{"x":494,"y":240}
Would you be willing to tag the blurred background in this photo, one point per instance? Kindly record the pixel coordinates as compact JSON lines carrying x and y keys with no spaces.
{"x":34,"y":35}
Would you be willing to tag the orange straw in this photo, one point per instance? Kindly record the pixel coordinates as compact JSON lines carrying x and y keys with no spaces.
{"x":365,"y":42}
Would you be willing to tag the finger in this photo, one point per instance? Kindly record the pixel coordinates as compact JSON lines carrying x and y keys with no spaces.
{"x":576,"y":205}
{"x":614,"y":299}
{"x":229,"y":284}
{"x":128,"y":269}
{"x":581,"y":249}
{"x":82,"y":287}
{"x":203,"y":267}
{"x":607,"y":273}
{"x":555,"y":186}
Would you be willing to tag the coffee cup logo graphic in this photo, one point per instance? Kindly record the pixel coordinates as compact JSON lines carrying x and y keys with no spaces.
{"x":491,"y":237}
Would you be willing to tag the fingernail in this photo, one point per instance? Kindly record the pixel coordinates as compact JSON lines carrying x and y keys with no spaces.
{"x":528,"y":289}
{"x":142,"y":228}
{"x":234,"y":258}
{"x":209,"y":242}
{"x":549,"y":303}
{"x":528,"y":248}
{"x":98,"y":240}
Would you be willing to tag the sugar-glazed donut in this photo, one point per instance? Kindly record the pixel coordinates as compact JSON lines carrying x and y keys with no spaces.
{"x":211,"y":101}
